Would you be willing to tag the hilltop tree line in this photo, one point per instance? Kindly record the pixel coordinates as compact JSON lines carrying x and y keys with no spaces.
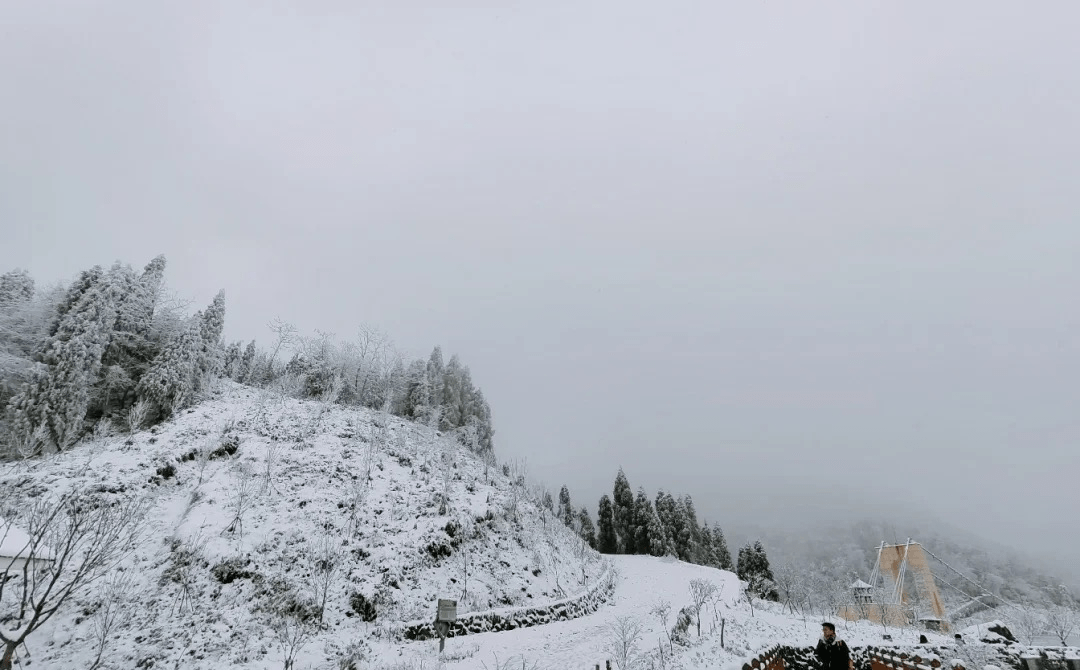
{"x":115,"y":346}
{"x":629,"y":523}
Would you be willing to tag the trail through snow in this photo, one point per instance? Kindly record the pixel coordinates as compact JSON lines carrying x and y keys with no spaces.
{"x":581,"y":643}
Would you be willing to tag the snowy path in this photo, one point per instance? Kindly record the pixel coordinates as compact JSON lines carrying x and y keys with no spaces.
{"x":580,"y":643}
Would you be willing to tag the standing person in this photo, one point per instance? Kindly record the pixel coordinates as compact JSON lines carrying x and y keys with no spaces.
{"x":831,"y":651}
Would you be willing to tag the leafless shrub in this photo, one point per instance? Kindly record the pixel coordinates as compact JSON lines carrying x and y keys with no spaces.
{"x":512,"y":663}
{"x":241,"y":499}
{"x":326,"y":564}
{"x":202,"y":461}
{"x":73,"y":541}
{"x":102,"y":431}
{"x":1061,"y":621}
{"x":622,"y":643}
{"x":661,"y":609}
{"x":136,"y":416}
{"x":115,"y":594}
{"x":347,"y":656}
{"x":701,"y":591}
{"x":186,"y":558}
{"x":273,"y":449}
{"x":1027,"y":622}
{"x":27,"y":445}
{"x":292,"y":619}
{"x":447,"y":458}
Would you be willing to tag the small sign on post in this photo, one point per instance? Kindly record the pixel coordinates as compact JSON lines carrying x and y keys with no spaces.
{"x":445,"y":614}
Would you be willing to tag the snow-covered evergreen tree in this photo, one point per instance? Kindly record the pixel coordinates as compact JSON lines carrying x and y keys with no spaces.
{"x":16,"y":287}
{"x":231,"y":360}
{"x":454,"y":408}
{"x":665,"y":512}
{"x":607,"y":540}
{"x":696,"y":549}
{"x":586,"y":528}
{"x":210,"y":359}
{"x":720,"y":549}
{"x":25,"y":315}
{"x":623,"y":507}
{"x":645,"y":525}
{"x":684,"y":538}
{"x":566,"y":509}
{"x":247,"y":363}
{"x":707,"y":549}
{"x":417,"y":401}
{"x":753,"y":568}
{"x":658,"y":545}
{"x":58,"y":395}
{"x":169,"y":384}
{"x":435,"y":371}
{"x":87,"y":279}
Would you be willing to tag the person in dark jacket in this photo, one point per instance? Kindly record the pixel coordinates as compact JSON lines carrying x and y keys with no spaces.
{"x":831,"y":651}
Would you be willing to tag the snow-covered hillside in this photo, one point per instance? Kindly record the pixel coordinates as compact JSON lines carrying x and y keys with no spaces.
{"x":643,"y":582}
{"x":254,"y":499}
{"x":251,"y":494}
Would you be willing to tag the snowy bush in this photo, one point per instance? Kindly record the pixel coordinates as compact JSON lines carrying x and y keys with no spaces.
{"x":363,"y":606}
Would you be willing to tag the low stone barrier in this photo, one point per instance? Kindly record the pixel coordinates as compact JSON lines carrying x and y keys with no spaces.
{"x":770,"y":659}
{"x":1049,"y":658}
{"x":512,"y":618}
{"x":891,"y":659}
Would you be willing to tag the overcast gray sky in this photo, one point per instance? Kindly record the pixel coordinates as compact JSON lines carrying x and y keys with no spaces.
{"x":796,"y":259}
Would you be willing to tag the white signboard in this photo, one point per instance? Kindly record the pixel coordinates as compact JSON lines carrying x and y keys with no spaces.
{"x":447,"y":610}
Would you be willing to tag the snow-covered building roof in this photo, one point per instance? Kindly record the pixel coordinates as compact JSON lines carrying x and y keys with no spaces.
{"x":15,"y":543}
{"x":860,"y":584}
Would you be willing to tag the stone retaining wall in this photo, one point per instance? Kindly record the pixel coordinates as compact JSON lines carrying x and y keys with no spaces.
{"x":513,"y":618}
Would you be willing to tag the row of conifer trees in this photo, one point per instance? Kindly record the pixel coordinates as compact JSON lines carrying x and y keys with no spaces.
{"x":113,"y":345}
{"x":634,"y":524}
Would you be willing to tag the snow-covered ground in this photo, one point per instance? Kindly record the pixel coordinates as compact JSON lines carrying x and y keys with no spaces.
{"x":643,"y":581}
{"x":367,"y":487}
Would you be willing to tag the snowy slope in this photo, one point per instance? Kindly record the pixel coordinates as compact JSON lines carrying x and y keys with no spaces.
{"x":198,"y":578}
{"x":398,"y":550}
{"x":643,"y":580}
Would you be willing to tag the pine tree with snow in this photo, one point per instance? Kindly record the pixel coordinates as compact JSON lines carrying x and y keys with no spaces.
{"x":247,"y":364}
{"x":684,"y":539}
{"x":25,"y":314}
{"x":87,"y":280}
{"x":566,"y":510}
{"x":623,"y":506}
{"x":645,"y":524}
{"x":58,"y":395}
{"x":454,"y":408}
{"x":125,"y":284}
{"x":435,"y":371}
{"x":482,"y":415}
{"x":94,"y":311}
{"x":753,"y":568}
{"x":720,"y":548}
{"x":418,"y":395}
{"x":707,"y":548}
{"x":16,"y":287}
{"x":658,"y":545}
{"x":231,"y":363}
{"x":210,"y":329}
{"x":169,"y":384}
{"x":694,"y":529}
{"x":586,"y":528}
{"x":607,"y":540}
{"x":665,"y":512}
